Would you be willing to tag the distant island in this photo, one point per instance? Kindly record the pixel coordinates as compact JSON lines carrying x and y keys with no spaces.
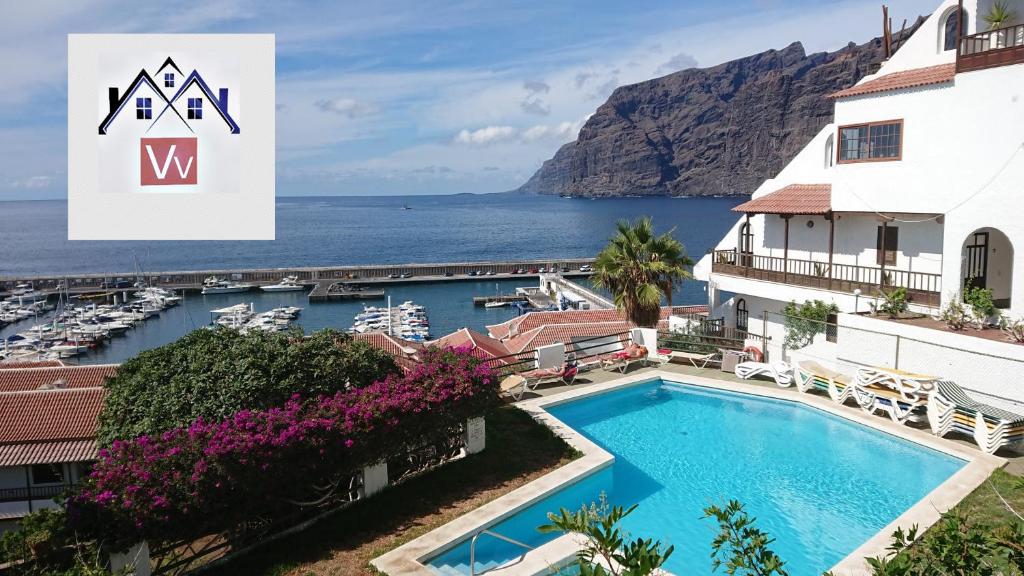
{"x":707,"y":131}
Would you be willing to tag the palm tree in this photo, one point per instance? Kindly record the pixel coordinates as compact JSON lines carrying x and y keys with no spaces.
{"x":639,"y":267}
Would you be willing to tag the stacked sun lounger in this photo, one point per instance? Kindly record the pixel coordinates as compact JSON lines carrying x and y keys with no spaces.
{"x":902,"y":395}
{"x":810,"y":376}
{"x":950,"y":409}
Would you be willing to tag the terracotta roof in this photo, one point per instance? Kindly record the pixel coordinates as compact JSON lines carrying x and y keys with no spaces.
{"x":566,"y":333}
{"x":10,"y":364}
{"x":900,"y":80}
{"x":47,"y":452}
{"x":531,"y":320}
{"x":481,"y":346}
{"x":50,"y":415}
{"x":793,"y":199}
{"x":25,"y":379}
{"x":396,"y":347}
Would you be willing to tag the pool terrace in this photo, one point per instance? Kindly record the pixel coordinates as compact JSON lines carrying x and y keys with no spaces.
{"x":409,"y":558}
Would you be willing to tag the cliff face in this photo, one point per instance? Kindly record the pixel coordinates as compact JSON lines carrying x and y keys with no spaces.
{"x":720,"y":130}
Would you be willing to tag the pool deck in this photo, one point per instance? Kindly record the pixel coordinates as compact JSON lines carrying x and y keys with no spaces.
{"x":1014,"y":458}
{"x":409,"y":558}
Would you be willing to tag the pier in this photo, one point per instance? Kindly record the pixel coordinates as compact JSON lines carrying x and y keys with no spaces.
{"x":321,"y":277}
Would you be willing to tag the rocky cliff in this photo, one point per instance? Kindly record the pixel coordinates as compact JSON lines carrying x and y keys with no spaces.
{"x":719,"y":130}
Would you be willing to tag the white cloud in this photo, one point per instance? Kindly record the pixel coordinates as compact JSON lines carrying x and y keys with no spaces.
{"x":485,"y":136}
{"x":33,"y":182}
{"x":680,"y":61}
{"x":349,"y":107}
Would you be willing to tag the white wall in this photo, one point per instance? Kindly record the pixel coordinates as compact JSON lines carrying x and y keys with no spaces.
{"x":985,"y":366}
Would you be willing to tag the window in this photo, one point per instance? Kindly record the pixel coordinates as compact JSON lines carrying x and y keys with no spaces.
{"x":830,"y":151}
{"x":169,"y":80}
{"x":144,"y":108}
{"x":47,"y":474}
{"x":877,"y":141}
{"x":195,"y":108}
{"x":951,"y":27}
{"x":892,"y":235}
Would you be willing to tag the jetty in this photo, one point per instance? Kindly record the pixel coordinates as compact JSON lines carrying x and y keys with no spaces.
{"x":320,"y":277}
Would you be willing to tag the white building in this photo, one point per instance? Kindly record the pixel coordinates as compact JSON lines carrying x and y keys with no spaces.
{"x":47,"y":433}
{"x":918,"y":183}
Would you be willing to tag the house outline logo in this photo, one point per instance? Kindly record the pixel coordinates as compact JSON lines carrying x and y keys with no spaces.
{"x":218,"y":102}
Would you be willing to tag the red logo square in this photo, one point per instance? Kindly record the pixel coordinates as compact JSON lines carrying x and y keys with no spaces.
{"x":169,"y":161}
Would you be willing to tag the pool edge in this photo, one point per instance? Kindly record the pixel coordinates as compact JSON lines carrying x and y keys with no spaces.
{"x":409,"y":558}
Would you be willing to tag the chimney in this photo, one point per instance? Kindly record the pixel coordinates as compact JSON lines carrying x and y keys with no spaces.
{"x":112,"y":97}
{"x":223,"y":100}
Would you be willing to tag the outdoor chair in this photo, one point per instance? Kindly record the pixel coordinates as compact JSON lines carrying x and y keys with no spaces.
{"x":514,"y":386}
{"x":950,"y":409}
{"x":566,"y":374}
{"x":810,"y":376}
{"x":697,"y":359}
{"x":621,"y":361}
{"x":901,"y":395}
{"x":781,"y":372}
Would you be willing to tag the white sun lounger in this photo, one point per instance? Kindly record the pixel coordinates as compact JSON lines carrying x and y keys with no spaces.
{"x":950,"y":409}
{"x":781,"y":372}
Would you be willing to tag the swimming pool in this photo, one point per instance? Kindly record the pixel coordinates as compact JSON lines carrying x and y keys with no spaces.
{"x":819,"y":484}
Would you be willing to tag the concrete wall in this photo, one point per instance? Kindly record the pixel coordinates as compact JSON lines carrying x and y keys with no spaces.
{"x":988,"y":367}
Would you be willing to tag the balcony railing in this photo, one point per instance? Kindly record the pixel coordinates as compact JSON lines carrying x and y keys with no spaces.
{"x":31,"y":493}
{"x":922,"y":288}
{"x":991,"y":49}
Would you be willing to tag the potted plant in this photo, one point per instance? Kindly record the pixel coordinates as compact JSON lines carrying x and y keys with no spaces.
{"x":998,"y":17}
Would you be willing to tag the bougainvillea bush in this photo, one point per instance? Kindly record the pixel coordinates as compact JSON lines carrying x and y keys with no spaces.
{"x":211,"y":476}
{"x":213,"y":374}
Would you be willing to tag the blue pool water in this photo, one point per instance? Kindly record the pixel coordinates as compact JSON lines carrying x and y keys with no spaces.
{"x":819,"y":484}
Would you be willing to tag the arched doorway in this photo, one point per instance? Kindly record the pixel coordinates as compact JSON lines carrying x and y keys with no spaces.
{"x":987,"y":262}
{"x":742,"y":317}
{"x":746,"y":245}
{"x":951,"y":28}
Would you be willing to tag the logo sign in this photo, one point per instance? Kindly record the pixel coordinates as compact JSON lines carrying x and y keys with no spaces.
{"x":170,"y":132}
{"x":167,"y":161}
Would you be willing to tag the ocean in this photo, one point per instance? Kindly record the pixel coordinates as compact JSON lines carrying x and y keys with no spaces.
{"x":326,"y":231}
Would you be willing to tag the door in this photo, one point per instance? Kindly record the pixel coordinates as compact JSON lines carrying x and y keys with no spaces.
{"x":746,"y":245}
{"x":741,"y":315}
{"x":976,"y":261}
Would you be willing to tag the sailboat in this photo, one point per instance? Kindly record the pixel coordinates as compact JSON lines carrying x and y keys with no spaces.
{"x":495,"y":303}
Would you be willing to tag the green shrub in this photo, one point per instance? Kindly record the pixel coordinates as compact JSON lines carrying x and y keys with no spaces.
{"x":212,"y":374}
{"x":804,"y":321}
{"x":607,"y":544}
{"x":982,"y":304}
{"x":954,"y":314}
{"x":894,"y":303}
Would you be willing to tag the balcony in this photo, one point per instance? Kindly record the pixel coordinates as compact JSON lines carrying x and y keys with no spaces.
{"x":991,"y":48}
{"x":922,"y":288}
{"x":31,"y":493}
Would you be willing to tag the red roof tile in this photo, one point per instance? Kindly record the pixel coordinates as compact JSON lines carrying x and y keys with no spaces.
{"x":24,"y":379}
{"x":531,"y":320}
{"x":9,"y":364}
{"x":481,"y":346}
{"x":901,"y":80}
{"x":50,"y":415}
{"x":396,"y":347}
{"x":793,"y":199}
{"x":565,"y":333}
{"x":47,"y":452}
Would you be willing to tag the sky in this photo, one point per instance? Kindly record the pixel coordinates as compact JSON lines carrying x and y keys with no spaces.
{"x":411,"y":97}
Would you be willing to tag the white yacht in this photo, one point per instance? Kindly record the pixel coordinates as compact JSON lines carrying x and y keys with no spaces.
{"x":287,"y":284}
{"x":214,"y":285}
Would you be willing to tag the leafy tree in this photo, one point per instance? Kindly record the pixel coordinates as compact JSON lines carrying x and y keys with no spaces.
{"x":212,"y":374}
{"x":639,"y":267}
{"x":743,"y":545}
{"x":609,"y":551}
{"x":804,"y":321}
